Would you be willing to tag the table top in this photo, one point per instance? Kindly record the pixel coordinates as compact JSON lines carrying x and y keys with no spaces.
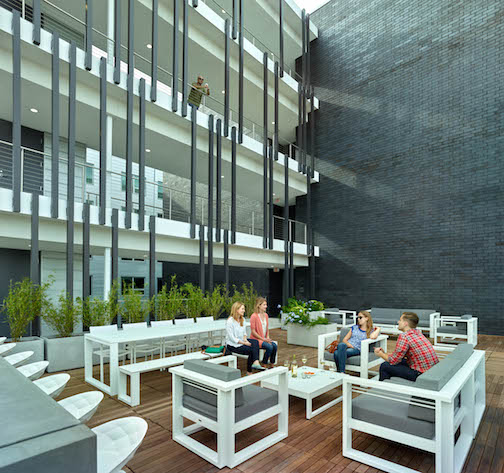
{"x":320,"y":382}
{"x":153,"y":333}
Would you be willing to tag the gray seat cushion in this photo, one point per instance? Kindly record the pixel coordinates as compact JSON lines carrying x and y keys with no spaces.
{"x":385,"y":315}
{"x":415,"y":411}
{"x":353,"y":360}
{"x":217,"y":371}
{"x":256,"y":400}
{"x":462,"y":352}
{"x":457,"y":330}
{"x":390,"y":414}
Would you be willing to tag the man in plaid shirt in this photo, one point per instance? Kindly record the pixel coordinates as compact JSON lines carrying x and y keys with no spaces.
{"x":413,"y":355}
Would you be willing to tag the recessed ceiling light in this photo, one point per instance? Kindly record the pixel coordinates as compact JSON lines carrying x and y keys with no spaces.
{"x":222,"y":177}
{"x":223,"y":91}
{"x":34,"y":110}
{"x":149,"y":46}
{"x":223,"y":11}
{"x":147,"y":150}
{"x":274,"y":193}
{"x":272,"y":123}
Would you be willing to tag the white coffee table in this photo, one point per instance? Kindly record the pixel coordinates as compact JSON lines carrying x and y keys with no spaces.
{"x":311,"y":387}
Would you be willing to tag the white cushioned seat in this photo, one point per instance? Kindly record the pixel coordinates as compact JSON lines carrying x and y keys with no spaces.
{"x":6,"y":348}
{"x":18,"y":359}
{"x":53,"y":385}
{"x":82,"y":406}
{"x":35,"y":370}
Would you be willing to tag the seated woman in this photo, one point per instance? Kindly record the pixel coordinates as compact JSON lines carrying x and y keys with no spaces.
{"x":351,"y":344}
{"x":259,"y":330}
{"x":236,"y":338}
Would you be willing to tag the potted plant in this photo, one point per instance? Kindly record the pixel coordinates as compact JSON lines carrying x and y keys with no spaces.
{"x":249,"y":296}
{"x":64,"y":350}
{"x":168,"y":304}
{"x":24,"y":302}
{"x":302,"y":328}
{"x":195,"y":300}
{"x":213,"y":303}
{"x":134,"y":309}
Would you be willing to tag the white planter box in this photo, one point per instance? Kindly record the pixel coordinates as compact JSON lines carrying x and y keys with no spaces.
{"x":64,"y":353}
{"x":307,"y":337}
{"x":34,"y":344}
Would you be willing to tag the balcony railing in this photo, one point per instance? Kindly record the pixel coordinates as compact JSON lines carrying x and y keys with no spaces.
{"x":161,"y":200}
{"x":71,"y":28}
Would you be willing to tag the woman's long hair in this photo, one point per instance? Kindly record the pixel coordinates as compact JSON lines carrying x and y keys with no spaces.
{"x":258,"y":302}
{"x":234,"y":312}
{"x":369,"y":322}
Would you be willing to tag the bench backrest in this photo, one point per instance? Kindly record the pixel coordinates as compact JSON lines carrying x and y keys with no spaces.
{"x":391,"y":316}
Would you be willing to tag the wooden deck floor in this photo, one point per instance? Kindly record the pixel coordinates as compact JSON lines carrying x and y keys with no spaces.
{"x":313,"y":446}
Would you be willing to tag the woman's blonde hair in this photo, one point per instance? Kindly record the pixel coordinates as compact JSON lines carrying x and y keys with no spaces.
{"x":369,"y":322}
{"x":234,"y":312}
{"x":258,"y":302}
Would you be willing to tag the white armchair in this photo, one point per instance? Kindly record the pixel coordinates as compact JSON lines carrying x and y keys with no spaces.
{"x":216,"y":398}
{"x":449,"y":329}
{"x":340,"y":317}
{"x":363,"y":363}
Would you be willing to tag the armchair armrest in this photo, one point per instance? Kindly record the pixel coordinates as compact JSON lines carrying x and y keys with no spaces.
{"x":433,"y":320}
{"x":370,"y":341}
{"x":323,"y":341}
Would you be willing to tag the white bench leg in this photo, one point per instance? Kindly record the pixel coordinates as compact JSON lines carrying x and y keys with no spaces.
{"x":135,"y":389}
{"x":121,"y":394}
{"x":101,"y":363}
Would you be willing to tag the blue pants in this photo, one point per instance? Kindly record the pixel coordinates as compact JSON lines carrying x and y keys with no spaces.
{"x":401,"y":370}
{"x":252,"y":352}
{"x":270,"y":351}
{"x":341,"y":354}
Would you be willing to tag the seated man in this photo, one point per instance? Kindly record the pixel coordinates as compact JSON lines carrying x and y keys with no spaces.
{"x":413,"y":355}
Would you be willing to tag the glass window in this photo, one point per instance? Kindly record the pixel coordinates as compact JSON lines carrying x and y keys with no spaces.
{"x":160,"y":190}
{"x":136,"y":184}
{"x":138,"y":284}
{"x":89,"y":174}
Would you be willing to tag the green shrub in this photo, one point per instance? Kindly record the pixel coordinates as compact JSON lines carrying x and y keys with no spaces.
{"x":63,"y":316}
{"x":213,"y":303}
{"x":168,"y":304}
{"x":194,"y":303}
{"x":134,"y":309}
{"x":94,"y":312}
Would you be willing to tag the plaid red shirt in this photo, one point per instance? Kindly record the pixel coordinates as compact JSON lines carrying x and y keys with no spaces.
{"x":416,"y":349}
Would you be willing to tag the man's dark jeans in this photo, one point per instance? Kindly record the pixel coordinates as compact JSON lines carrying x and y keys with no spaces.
{"x":401,"y":370}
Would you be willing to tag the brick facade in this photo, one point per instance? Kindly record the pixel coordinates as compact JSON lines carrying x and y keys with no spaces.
{"x":409,"y":209}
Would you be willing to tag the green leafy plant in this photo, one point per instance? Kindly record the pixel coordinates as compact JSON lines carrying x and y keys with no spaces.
{"x":134,"y":309}
{"x":195,"y":300}
{"x":249,"y":296}
{"x":314,"y":306}
{"x":94,"y":312}
{"x":63,"y":316}
{"x":167,"y":304}
{"x":113,"y":306}
{"x":213,"y":303}
{"x":296,"y":312}
{"x":24,"y":302}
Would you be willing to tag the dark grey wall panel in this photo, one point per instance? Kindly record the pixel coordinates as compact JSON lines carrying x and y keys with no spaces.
{"x":36,"y":22}
{"x":202,"y":257}
{"x":34,"y":250}
{"x":72,"y":73}
{"x":275,"y":138}
{"x":210,"y":199}
{"x":312,"y":132}
{"x":291,"y":268}
{"x":194,"y":151}
{"x":218,"y":174}
{"x":226,"y":259}
{"x":103,"y":139}
{"x":117,"y":41}
{"x":86,"y":252}
{"x":16,"y":112}
{"x":55,"y":126}
{"x":281,"y":39}
{"x":175,"y":55}
{"x":129,"y":114}
{"x":89,"y":35}
{"x":409,"y":204}
{"x":240,"y":76}
{"x":233,"y":185}
{"x":265,"y":148}
{"x":270,"y":199}
{"x":141,"y":157}
{"x":286,"y":285}
{"x":235,"y":19}
{"x":185,"y":56}
{"x":226,"y":77}
{"x":154,"y":51}
{"x":152,"y":258}
{"x":115,"y":247}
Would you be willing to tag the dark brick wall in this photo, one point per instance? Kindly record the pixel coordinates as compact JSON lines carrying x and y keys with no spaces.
{"x":410,"y":141}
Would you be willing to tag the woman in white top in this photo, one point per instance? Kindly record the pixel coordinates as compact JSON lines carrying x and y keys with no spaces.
{"x":236,"y":338}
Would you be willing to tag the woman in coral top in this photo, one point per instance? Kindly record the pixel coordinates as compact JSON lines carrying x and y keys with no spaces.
{"x":259,"y":330}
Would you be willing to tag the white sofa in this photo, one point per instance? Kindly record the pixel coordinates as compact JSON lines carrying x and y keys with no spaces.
{"x":449,"y":330}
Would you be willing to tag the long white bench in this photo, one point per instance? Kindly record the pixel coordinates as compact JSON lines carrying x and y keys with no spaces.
{"x":134,"y":371}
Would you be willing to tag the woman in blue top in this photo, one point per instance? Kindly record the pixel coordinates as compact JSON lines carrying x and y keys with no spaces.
{"x":351,"y":344}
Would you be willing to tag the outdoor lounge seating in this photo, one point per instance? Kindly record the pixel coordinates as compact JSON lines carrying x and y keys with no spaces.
{"x":215,"y":397}
{"x":450,"y":329}
{"x":6,"y":348}
{"x":35,"y":370}
{"x":18,"y":359}
{"x":82,"y":406}
{"x":2,"y":340}
{"x":53,"y":385}
{"x":117,"y":441}
{"x":439,"y":413}
{"x":362,"y":363}
{"x":342,"y":318}
{"x":387,"y":319}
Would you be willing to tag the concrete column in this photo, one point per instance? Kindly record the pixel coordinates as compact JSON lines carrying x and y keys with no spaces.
{"x":110,"y":32}
{"x":107,"y":272}
{"x":110,"y":62}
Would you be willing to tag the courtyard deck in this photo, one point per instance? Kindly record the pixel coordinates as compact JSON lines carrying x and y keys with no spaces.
{"x":314,"y":445}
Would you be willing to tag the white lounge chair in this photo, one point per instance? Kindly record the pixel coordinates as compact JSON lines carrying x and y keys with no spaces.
{"x":18,"y":359}
{"x":53,"y":385}
{"x":2,"y":339}
{"x":6,"y":348}
{"x":82,"y":406}
{"x":117,"y":441}
{"x":35,"y":370}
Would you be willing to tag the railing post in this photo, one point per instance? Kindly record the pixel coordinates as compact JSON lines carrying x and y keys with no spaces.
{"x":170,"y":209}
{"x":22,"y":169}
{"x":253,"y":223}
{"x":23,"y":9}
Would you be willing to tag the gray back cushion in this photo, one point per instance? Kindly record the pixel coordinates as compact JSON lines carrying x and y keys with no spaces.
{"x":213,"y":370}
{"x":423,"y":315}
{"x":463,"y":352}
{"x":343,"y":332}
{"x":385,"y":315}
{"x":463,"y":325}
{"x":334,"y":318}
